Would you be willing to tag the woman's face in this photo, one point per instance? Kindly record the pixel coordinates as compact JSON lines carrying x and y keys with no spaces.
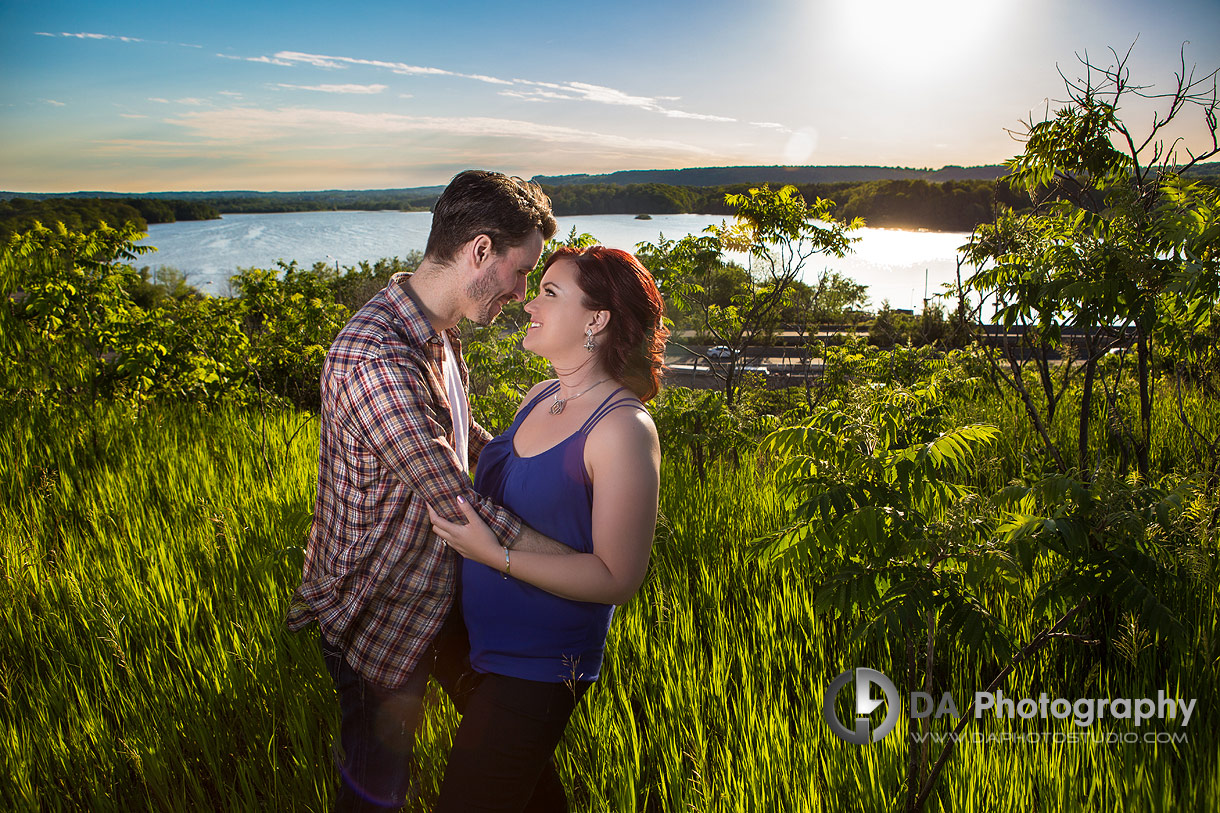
{"x":558,"y":317}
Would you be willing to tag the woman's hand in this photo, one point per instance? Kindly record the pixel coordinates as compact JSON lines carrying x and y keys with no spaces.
{"x":472,"y":539}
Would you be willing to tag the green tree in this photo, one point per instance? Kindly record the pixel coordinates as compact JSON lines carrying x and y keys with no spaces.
{"x":1117,"y":246}
{"x":833,"y":300}
{"x":886,"y":520}
{"x":779,"y":232}
{"x":290,"y":319}
{"x":66,"y":304}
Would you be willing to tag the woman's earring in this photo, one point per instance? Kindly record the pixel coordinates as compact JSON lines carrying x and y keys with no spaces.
{"x":590,"y":345}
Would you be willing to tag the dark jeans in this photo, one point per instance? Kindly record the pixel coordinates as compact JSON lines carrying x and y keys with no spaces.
{"x":502,"y":756}
{"x":377,"y":725}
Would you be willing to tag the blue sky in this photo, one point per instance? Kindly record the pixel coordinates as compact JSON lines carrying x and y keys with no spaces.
{"x":135,"y":97}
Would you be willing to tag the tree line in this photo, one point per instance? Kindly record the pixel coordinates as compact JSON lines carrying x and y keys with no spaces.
{"x":912,"y":203}
{"x":20,"y":214}
{"x":908,"y":204}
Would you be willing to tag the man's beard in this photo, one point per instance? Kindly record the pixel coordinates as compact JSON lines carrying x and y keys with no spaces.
{"x":481,"y":290}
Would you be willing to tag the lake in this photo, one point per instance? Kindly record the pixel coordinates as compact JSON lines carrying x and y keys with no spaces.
{"x":895,"y":265}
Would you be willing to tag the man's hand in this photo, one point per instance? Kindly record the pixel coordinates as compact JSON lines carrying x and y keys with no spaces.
{"x":472,"y":538}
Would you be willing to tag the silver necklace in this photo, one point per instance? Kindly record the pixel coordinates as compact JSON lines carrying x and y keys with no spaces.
{"x":560,"y":403}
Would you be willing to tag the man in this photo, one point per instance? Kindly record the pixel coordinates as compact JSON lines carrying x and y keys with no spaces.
{"x":396,"y":436}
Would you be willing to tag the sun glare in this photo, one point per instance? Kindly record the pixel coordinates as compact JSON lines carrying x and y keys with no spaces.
{"x":921,"y":37}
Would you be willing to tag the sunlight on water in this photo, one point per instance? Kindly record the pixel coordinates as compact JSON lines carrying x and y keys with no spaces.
{"x":893,"y":264}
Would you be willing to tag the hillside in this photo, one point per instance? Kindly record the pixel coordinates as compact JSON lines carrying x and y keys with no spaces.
{"x":721,"y":176}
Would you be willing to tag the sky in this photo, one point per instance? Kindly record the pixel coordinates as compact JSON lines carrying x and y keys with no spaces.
{"x":284,"y":96}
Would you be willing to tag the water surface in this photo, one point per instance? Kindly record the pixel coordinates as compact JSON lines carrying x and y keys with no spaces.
{"x":898,"y":266}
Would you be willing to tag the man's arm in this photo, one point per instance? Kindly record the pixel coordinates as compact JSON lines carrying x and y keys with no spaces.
{"x":531,"y":541}
{"x":390,"y":406}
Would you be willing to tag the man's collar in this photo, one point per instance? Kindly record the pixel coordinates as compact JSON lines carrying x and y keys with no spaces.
{"x":419,"y":328}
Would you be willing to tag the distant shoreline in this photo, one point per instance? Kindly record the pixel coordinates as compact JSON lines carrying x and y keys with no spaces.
{"x":560,"y":216}
{"x":951,"y":199}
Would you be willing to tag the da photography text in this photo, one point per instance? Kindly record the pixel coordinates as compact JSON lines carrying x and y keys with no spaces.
{"x":873,"y":690}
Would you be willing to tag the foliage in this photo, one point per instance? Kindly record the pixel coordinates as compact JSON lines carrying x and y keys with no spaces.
{"x":501,"y":373}
{"x":291,"y":318}
{"x":190,"y":349}
{"x":914,"y":204}
{"x":832,"y":299}
{"x":155,"y":286}
{"x":779,"y":232}
{"x":21,"y":214}
{"x":1118,"y":247}
{"x":65,"y":307}
{"x":357,"y":284}
{"x":856,"y":363}
{"x":697,"y":425}
{"x":885,"y":520}
{"x":932,"y":327}
{"x":80,"y":325}
{"x":598,"y":199}
{"x":890,"y":327}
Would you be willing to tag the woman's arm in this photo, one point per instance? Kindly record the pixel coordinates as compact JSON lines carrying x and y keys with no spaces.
{"x":623,"y":457}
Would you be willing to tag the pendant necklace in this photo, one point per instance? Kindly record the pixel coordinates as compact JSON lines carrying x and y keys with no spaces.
{"x":560,"y":403}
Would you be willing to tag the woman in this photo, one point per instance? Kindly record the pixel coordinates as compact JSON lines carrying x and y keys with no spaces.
{"x":580,"y":464}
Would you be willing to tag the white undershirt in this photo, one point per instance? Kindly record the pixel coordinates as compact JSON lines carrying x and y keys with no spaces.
{"x":459,"y":407}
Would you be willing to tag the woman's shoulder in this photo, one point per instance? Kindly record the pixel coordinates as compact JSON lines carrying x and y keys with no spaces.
{"x":627,"y":423}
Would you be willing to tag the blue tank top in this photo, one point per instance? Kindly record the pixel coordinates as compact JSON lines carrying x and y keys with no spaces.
{"x":517,"y":629}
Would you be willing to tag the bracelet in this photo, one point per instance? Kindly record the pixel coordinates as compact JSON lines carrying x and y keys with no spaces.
{"x":508,"y":566}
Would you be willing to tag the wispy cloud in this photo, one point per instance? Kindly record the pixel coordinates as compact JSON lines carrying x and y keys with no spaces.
{"x":357,"y":89}
{"x":132,"y":116}
{"x":401,"y":68}
{"x":579,"y":91}
{"x":190,"y":101}
{"x":682,"y":114}
{"x":265,"y":60}
{"x":531,"y":91}
{"x":88,"y":36}
{"x":523,"y":89}
{"x":53,"y":103}
{"x":246,"y":124}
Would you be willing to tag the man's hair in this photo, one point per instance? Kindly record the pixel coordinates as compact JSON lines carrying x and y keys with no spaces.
{"x":478,"y":201}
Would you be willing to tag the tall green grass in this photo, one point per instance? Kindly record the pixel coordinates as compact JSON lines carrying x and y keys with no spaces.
{"x":147,"y":564}
{"x":145,"y":579}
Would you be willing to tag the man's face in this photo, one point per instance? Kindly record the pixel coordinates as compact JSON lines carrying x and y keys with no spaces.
{"x":501,"y":280}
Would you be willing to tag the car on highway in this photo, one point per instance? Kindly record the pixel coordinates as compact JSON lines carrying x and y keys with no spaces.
{"x":719,"y":352}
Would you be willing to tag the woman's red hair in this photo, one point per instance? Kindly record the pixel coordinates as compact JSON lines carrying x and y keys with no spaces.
{"x":633,"y":344}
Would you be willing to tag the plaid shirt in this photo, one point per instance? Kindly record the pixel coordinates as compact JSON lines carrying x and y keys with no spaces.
{"x":377,"y":580}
